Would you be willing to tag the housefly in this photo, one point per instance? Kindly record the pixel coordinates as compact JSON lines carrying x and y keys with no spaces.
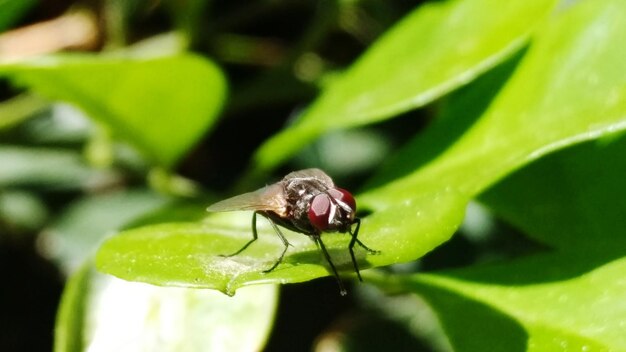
{"x":304,"y":201}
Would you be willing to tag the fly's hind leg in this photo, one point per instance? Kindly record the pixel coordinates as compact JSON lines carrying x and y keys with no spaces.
{"x":285,"y":242}
{"x":254,"y":238}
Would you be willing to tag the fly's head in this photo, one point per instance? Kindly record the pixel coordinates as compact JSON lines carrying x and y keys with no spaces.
{"x":332,"y":211}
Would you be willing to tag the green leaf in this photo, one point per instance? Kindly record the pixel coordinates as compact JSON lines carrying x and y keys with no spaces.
{"x":571,"y":199}
{"x":495,"y":332}
{"x":21,"y":212}
{"x":434,"y":50}
{"x":191,"y":254}
{"x":458,"y":112}
{"x":46,"y":167}
{"x":162,"y":106}
{"x":570,"y":87}
{"x":18,"y":109}
{"x":103,"y":313}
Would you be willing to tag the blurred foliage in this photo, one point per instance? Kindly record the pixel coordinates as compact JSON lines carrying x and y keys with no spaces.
{"x":113,"y":142}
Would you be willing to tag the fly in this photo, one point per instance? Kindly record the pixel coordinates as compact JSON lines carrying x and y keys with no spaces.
{"x":304,"y":201}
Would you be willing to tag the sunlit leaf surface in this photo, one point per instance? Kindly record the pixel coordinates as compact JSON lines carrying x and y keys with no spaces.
{"x":570,"y":297}
{"x":191,"y":254}
{"x":434,"y":50}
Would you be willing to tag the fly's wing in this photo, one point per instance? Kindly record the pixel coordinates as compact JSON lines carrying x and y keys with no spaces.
{"x":269,"y":198}
{"x":308,"y":174}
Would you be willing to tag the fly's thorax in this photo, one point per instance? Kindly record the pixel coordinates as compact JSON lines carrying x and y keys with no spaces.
{"x":299,"y":193}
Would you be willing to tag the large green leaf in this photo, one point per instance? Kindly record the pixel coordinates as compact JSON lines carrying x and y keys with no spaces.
{"x":572,"y":199}
{"x":567,"y":300}
{"x":570,"y":87}
{"x":159,"y":105}
{"x":434,"y":50}
{"x":570,"y":299}
{"x":191,"y":254}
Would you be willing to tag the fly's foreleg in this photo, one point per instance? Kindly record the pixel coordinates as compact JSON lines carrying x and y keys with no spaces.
{"x":354,"y":240}
{"x":318,"y":240}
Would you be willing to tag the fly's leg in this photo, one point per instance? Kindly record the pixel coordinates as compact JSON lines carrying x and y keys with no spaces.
{"x":318,"y":240}
{"x":354,"y":240}
{"x":285,"y":242}
{"x":254,"y":238}
{"x":371,"y":251}
{"x":357,"y":221}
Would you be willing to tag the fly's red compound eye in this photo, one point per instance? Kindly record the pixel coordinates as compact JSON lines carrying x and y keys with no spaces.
{"x":341,"y":195}
{"x":319,"y":212}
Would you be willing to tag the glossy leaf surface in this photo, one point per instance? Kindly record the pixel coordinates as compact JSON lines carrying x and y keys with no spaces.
{"x":434,"y":50}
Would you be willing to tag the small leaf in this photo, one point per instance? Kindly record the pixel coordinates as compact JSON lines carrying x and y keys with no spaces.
{"x":17,"y":109}
{"x":22,"y":212}
{"x":434,"y":50}
{"x":77,"y":231}
{"x":46,"y":167}
{"x":106,"y":314}
{"x":70,"y":321}
{"x":162,"y":106}
{"x":191,"y":254}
